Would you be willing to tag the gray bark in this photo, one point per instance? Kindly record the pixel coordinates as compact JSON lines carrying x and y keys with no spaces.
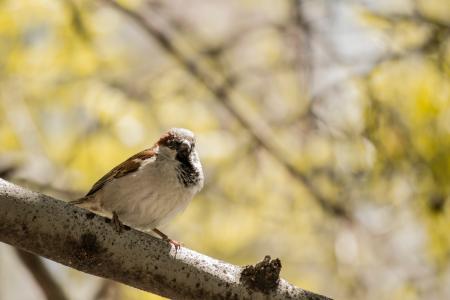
{"x":79,"y":239}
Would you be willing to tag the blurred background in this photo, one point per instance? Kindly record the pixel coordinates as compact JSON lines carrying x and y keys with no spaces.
{"x":323,"y":127}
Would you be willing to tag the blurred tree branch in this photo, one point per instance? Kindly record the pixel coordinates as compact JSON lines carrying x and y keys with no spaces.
{"x":77,"y":21}
{"x":109,"y":290}
{"x":72,"y":236}
{"x":222,"y":92}
{"x":439,"y":33}
{"x":302,"y":37}
{"x":416,"y":17}
{"x":49,"y":286}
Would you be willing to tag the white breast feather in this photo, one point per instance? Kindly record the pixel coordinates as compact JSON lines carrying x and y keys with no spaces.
{"x":148,"y":197}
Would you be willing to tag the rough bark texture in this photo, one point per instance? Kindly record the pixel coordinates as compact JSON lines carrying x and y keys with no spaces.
{"x":76,"y":238}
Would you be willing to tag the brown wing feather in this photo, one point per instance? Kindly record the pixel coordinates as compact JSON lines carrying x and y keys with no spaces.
{"x":132,"y":164}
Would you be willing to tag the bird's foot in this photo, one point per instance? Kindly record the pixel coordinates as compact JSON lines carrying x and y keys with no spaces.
{"x":175,"y":243}
{"x":116,"y":223}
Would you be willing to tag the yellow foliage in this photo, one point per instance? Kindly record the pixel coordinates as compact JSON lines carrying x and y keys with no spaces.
{"x":95,"y":88}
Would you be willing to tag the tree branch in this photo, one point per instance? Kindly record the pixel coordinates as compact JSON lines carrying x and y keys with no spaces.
{"x":79,"y":239}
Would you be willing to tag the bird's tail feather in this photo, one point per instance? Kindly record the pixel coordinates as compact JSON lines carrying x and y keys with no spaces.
{"x":79,"y":201}
{"x":90,"y":203}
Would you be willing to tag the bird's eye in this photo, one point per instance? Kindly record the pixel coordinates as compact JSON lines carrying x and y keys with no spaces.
{"x":174,"y":144}
{"x":171,"y":144}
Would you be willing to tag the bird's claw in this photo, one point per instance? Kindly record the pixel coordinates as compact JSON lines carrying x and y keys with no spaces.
{"x":116,"y":223}
{"x":176,"y":244}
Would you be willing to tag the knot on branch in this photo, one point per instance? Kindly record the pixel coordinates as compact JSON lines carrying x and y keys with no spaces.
{"x":264,"y":276}
{"x":87,"y":249}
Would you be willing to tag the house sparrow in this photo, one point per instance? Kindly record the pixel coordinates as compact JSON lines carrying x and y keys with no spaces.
{"x":150,"y":187}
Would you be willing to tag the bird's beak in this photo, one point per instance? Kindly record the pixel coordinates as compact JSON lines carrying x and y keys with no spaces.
{"x":185,"y":147}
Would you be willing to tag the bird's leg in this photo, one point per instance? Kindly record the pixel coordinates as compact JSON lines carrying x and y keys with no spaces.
{"x":116,"y":223}
{"x":167,"y":239}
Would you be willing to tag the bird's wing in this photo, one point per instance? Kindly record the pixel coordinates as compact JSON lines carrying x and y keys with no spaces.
{"x":131,"y":165}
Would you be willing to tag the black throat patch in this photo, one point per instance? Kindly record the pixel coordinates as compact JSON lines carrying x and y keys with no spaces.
{"x":187,"y":173}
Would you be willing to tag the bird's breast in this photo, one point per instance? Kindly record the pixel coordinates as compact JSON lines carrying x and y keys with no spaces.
{"x":148,"y":197}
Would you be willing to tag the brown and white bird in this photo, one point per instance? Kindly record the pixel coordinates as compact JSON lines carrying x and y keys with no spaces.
{"x":150,"y":187}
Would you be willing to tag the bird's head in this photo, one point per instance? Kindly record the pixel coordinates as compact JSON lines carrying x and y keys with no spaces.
{"x":177,"y":143}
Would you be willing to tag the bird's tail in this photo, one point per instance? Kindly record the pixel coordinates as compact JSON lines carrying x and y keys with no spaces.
{"x":92,"y":204}
{"x":79,"y":201}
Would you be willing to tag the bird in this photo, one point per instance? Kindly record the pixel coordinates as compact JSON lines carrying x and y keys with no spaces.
{"x":151,"y":187}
